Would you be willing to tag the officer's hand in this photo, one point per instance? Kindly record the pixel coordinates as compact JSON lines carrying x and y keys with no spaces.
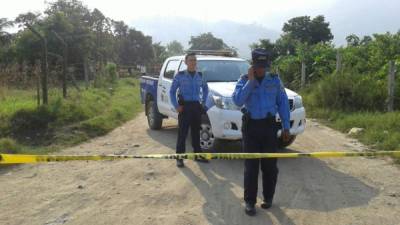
{"x":204,"y":109}
{"x":250,"y":73}
{"x":179,"y":109}
{"x":285,"y":135}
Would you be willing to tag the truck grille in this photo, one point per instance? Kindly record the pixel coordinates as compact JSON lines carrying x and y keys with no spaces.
{"x":291,"y":105}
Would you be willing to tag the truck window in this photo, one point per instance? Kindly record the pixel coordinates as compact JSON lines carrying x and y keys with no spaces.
{"x":220,"y":70}
{"x":171,"y":69}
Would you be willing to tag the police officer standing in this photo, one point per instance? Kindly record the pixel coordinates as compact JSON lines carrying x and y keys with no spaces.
{"x":262,"y":95}
{"x":189,"y":83}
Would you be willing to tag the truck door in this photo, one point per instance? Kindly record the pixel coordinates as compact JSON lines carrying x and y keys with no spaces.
{"x":164,"y":85}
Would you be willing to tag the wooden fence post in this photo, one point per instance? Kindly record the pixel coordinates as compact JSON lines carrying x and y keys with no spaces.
{"x":65,"y":63}
{"x":338,"y":62}
{"x":303,"y":74}
{"x":391,"y":83}
{"x":37,"y":74}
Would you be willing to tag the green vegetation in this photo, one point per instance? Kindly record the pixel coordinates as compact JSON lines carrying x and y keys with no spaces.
{"x":381,"y":130}
{"x":346,"y":86}
{"x":65,"y":122}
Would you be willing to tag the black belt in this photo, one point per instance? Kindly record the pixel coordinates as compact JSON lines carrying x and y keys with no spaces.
{"x":191,"y":102}
{"x":270,"y":119}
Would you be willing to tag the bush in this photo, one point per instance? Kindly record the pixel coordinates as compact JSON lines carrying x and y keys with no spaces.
{"x":111,"y":71}
{"x":289,"y":68}
{"x":65,"y":122}
{"x":27,"y":120}
{"x":8,"y":146}
{"x":350,"y":92}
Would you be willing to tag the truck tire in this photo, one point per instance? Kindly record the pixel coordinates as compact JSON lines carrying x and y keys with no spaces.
{"x":207,"y":139}
{"x":154,"y":118}
{"x":283,"y":144}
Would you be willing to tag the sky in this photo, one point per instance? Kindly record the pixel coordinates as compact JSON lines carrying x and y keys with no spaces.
{"x":270,"y":13}
{"x":360,"y":17}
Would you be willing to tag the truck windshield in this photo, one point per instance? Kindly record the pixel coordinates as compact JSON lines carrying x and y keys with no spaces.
{"x":220,"y":70}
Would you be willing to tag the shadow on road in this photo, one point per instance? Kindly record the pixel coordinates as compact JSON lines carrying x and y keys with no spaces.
{"x":303,"y":183}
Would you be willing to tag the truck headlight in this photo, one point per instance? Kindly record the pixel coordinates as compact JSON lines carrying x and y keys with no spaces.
{"x":224,"y":103}
{"x":298,"y":102}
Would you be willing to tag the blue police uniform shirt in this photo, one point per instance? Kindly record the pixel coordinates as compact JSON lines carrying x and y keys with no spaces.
{"x":261,"y":98}
{"x":189,"y":87}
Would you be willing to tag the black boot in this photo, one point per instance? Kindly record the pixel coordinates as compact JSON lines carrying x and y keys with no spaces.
{"x":266,"y":204}
{"x":250,"y":209}
{"x":179,"y":163}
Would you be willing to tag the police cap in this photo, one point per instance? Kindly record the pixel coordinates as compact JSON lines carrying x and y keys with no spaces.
{"x":260,"y":58}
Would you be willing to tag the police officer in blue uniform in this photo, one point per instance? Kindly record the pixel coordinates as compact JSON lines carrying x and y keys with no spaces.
{"x":263,"y":95}
{"x":189,"y":83}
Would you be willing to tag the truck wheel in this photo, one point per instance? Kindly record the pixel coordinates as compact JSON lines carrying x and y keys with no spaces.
{"x":283,"y":144}
{"x":154,"y":118}
{"x":207,"y":138}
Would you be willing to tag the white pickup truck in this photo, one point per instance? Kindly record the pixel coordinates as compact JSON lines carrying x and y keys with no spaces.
{"x":224,"y":118}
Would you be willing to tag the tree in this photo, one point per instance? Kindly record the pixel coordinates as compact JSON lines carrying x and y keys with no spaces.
{"x":286,"y":45}
{"x":352,"y":40}
{"x":366,"y":40}
{"x":174,"y":48}
{"x":81,"y":38}
{"x":206,"y":41}
{"x":72,"y":31}
{"x":160,"y":53}
{"x":101,"y":26}
{"x":5,"y":37}
{"x":29,"y":20}
{"x":120,"y":29}
{"x":135,"y":48}
{"x":308,"y":31}
{"x":320,"y":31}
{"x":6,"y":51}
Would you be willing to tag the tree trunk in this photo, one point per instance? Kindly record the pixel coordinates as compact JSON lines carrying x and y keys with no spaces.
{"x":45,"y":67}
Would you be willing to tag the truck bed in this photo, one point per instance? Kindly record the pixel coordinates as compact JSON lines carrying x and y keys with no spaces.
{"x":148,"y":86}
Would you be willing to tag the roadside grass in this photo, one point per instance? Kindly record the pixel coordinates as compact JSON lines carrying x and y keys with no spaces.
{"x":381,"y":129}
{"x":26,"y":128}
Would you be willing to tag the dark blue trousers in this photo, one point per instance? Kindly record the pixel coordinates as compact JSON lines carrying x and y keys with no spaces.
{"x":189,"y":118}
{"x":260,"y":137}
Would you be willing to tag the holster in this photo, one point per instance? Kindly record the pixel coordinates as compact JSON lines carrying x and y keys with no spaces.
{"x":245,"y":120}
{"x":181,"y":101}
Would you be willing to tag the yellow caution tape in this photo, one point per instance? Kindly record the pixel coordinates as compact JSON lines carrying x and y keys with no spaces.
{"x":19,"y":158}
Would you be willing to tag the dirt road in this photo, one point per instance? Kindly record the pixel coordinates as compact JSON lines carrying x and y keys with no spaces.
{"x":310,"y":191}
